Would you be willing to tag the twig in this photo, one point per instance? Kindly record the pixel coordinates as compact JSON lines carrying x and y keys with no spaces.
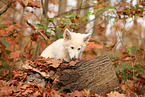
{"x":74,"y":10}
{"x":4,"y":9}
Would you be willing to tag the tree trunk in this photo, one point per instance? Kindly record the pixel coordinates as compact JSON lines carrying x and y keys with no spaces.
{"x":45,"y":7}
{"x":82,"y":26}
{"x":62,"y":9}
{"x":96,"y":74}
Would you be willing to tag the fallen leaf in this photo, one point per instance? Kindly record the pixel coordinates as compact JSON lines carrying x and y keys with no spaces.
{"x":23,"y":87}
{"x":28,"y":91}
{"x":142,"y":77}
{"x":72,"y":63}
{"x":54,"y":62}
{"x":115,"y":94}
{"x":87,"y":92}
{"x":76,"y":94}
{"x":37,"y":94}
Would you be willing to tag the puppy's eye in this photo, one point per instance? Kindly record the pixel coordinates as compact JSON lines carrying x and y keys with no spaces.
{"x":72,"y":47}
{"x":79,"y":48}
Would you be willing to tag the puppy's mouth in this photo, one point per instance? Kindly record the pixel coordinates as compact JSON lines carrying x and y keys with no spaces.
{"x":74,"y":59}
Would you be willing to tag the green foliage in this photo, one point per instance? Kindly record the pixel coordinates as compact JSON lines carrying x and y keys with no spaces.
{"x":41,"y":25}
{"x":131,"y":49}
{"x":5,"y":43}
{"x":99,"y":9}
{"x":124,"y":67}
{"x":50,"y":19}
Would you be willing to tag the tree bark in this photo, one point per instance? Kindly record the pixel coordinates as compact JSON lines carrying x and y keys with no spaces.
{"x":62,"y":9}
{"x":96,"y":74}
{"x":82,"y":25}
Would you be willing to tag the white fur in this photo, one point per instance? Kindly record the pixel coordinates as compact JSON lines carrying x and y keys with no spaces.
{"x":68,"y":47}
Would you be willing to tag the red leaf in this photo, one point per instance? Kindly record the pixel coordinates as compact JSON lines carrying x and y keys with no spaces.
{"x":15,"y":54}
{"x":3,"y":33}
{"x":7,"y":22}
{"x":17,"y":25}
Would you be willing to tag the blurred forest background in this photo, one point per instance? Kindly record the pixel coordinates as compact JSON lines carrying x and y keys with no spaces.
{"x":27,"y":27}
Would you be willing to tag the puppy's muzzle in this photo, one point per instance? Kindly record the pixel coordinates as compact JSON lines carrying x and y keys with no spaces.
{"x":74,"y":58}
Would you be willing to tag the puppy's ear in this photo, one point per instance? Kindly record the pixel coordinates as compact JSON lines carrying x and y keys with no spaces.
{"x":87,"y":38}
{"x":67,"y":35}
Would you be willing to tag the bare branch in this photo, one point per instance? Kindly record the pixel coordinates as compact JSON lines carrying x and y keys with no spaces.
{"x":74,"y":10}
{"x":4,"y":9}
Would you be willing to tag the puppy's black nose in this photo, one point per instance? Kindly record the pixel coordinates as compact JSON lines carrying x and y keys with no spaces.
{"x":74,"y":58}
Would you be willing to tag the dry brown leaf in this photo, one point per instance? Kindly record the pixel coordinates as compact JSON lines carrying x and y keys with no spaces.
{"x":130,"y":84}
{"x":37,"y":94}
{"x":23,"y":87}
{"x":72,"y":63}
{"x":75,"y":94}
{"x":115,"y":94}
{"x":53,"y":93}
{"x":87,"y":92}
{"x":27,"y":91}
{"x":54,"y":62}
{"x":142,"y":77}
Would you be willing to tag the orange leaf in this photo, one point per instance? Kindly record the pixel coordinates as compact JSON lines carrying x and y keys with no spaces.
{"x":15,"y":54}
{"x":3,"y":33}
{"x":7,"y":22}
{"x":17,"y":25}
{"x":10,"y":28}
{"x":93,"y":45}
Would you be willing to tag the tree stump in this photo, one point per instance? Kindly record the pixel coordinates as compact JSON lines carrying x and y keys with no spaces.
{"x":96,"y":74}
